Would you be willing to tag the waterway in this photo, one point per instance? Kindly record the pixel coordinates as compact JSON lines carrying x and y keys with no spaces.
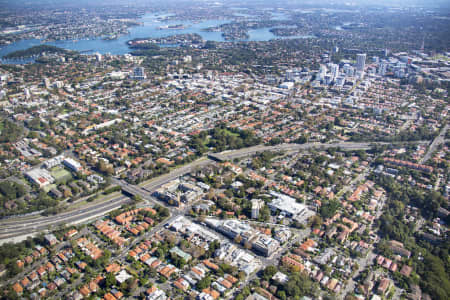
{"x":150,"y":27}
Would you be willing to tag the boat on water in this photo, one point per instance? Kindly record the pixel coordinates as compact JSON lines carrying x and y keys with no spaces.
{"x":172,"y":27}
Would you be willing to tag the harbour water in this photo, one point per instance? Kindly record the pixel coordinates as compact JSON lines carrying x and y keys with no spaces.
{"x":150,"y":27}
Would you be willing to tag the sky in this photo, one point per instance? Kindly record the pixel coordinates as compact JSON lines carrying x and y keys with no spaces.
{"x":277,"y":3}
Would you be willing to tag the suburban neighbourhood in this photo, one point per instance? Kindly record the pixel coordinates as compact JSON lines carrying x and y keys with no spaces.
{"x":297,"y":168}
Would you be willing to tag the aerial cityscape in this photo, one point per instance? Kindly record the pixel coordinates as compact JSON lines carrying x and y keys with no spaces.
{"x":197,"y":149}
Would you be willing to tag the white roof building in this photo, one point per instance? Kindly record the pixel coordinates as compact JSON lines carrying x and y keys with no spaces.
{"x":122,"y":276}
{"x":280,"y":277}
{"x":72,"y":164}
{"x":286,"y":204}
{"x":287,"y":85}
{"x":40,"y":177}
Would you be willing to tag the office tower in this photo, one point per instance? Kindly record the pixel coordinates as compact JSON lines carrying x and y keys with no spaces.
{"x":257,"y":204}
{"x":138,"y":73}
{"x":334,"y":69}
{"x":322,"y":72}
{"x":289,"y":75}
{"x":382,"y":68}
{"x":349,"y":70}
{"x":360,"y":62}
{"x":46,"y":82}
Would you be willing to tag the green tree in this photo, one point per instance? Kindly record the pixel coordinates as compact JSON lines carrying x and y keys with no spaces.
{"x":204,"y":283}
{"x":299,"y":284}
{"x":268,"y":272}
{"x":110,"y":280}
{"x":328,"y":209}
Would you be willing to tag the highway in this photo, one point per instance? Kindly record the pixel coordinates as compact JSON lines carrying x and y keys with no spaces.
{"x":11,"y":229}
{"x":229,"y":155}
{"x":19,"y":227}
{"x":153,"y":184}
{"x":437,"y":141}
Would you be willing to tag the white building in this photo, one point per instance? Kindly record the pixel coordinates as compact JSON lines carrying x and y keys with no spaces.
{"x":40,"y":177}
{"x":53,"y":162}
{"x":27,"y":93}
{"x":286,"y":204}
{"x":322,"y":73}
{"x":240,"y":258}
{"x":360,"y":61}
{"x":122,"y":276}
{"x":280,"y":278}
{"x":138,"y":74}
{"x":259,"y":242}
{"x":290,"y":74}
{"x":382,"y":68}
{"x":58,"y":84}
{"x":185,"y":226}
{"x":157,"y":295}
{"x":72,"y":164}
{"x":340,"y":81}
{"x":117,"y":75}
{"x":287,"y":85}
{"x":349,"y":70}
{"x":334,"y":69}
{"x":257,"y":204}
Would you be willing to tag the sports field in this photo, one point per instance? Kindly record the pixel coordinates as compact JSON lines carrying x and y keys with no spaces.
{"x":61,"y":174}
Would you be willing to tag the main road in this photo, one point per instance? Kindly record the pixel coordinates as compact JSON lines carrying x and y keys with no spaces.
{"x":229,"y":155}
{"x":14,"y":228}
{"x":437,"y":141}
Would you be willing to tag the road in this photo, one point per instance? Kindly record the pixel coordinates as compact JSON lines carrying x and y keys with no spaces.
{"x":363,"y":264}
{"x":406,"y":125}
{"x":41,"y":261}
{"x":352,"y":184}
{"x":152,"y":184}
{"x":230,"y":155}
{"x":437,"y":141}
{"x":19,"y":227}
{"x":15,"y":228}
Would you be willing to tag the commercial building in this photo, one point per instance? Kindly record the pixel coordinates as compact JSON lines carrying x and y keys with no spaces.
{"x":199,"y":235}
{"x":40,"y":177}
{"x":246,"y":235}
{"x":50,"y":239}
{"x":53,"y":162}
{"x":117,"y":75}
{"x":138,"y":74}
{"x":334,"y":68}
{"x":322,"y":73}
{"x":287,"y":85}
{"x":360,"y":62}
{"x":72,"y":164}
{"x":265,"y":245}
{"x":177,"y":251}
{"x":240,"y":258}
{"x":349,"y":70}
{"x":46,"y":82}
{"x":286,"y":204}
{"x":382,"y":68}
{"x":257,"y":204}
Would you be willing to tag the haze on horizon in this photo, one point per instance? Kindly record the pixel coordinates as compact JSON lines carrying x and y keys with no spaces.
{"x":262,"y":3}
